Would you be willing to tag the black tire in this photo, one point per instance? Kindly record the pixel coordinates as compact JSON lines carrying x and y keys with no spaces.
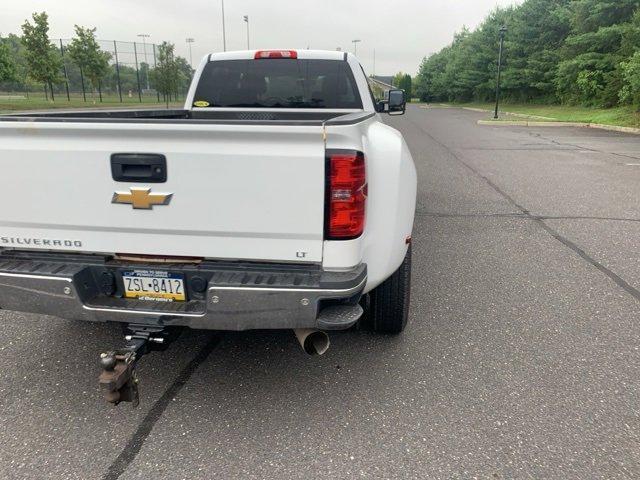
{"x":387,"y":308}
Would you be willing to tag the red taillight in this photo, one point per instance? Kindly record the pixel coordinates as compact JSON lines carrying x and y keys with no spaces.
{"x":346,"y":194}
{"x":261,"y":54}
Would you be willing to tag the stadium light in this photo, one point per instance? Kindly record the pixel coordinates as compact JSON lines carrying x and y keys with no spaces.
{"x":224,"y":31}
{"x":189,"y":42}
{"x":246,"y":19}
{"x":355,"y":46}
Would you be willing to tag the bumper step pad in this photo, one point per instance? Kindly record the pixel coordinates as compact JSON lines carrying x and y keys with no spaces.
{"x":339,"y":317}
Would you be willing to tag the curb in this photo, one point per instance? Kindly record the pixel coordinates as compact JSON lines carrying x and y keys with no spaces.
{"x":434,"y":105}
{"x":472,"y":109}
{"x":521,"y":115}
{"x":614,"y":128}
{"x":526,"y":123}
{"x":552,"y":123}
{"x":509,"y":123}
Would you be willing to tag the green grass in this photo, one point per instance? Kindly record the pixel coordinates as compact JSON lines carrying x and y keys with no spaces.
{"x":14,"y":102}
{"x":620,"y":116}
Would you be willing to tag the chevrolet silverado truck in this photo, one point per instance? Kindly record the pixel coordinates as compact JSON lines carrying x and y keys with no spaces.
{"x":275,"y":199}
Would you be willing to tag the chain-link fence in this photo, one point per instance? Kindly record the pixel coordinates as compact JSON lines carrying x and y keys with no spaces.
{"x":129,"y":78}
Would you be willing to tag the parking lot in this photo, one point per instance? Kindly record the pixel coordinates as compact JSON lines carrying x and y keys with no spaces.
{"x":522,"y":358}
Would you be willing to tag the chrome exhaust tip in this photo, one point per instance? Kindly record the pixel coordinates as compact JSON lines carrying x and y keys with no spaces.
{"x":313,"y":342}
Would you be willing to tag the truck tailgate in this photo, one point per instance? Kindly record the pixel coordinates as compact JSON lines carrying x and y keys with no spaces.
{"x":238,"y":191}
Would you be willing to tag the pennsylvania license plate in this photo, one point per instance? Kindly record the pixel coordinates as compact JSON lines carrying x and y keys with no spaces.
{"x":153,"y":285}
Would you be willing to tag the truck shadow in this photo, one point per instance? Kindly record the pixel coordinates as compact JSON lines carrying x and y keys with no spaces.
{"x":59,"y":359}
{"x":266,"y":375}
{"x":252,"y":386}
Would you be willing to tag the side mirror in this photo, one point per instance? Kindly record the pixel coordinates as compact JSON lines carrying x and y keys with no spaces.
{"x":397,"y":102}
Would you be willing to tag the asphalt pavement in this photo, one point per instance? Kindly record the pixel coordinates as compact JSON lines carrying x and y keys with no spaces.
{"x":521,"y":360}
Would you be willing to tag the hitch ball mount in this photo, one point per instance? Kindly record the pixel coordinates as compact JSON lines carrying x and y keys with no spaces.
{"x":118,"y":378}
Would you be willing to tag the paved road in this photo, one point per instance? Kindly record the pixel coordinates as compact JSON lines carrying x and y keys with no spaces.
{"x":522,"y":358}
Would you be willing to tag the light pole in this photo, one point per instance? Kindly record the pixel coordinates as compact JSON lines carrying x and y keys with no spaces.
{"x":374,"y":62}
{"x":503,"y":31}
{"x":355,"y":46}
{"x":189,"y":42}
{"x":246,"y":19}
{"x":144,"y":46}
{"x":224,"y":31}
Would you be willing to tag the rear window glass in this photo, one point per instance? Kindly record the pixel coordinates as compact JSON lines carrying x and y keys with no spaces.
{"x":277,"y":83}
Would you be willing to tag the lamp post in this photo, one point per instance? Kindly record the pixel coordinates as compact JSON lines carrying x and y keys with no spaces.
{"x":246,"y":19}
{"x":503,"y":31}
{"x":189,"y":42}
{"x":144,"y":46}
{"x":374,"y":62}
{"x":355,"y":46}
{"x":224,"y":31}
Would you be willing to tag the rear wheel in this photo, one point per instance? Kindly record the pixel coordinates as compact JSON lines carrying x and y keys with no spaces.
{"x":387,"y":308}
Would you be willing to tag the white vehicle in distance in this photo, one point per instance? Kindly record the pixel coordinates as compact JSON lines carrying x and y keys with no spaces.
{"x":275,"y":199}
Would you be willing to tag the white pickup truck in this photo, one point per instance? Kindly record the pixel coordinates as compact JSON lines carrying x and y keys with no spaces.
{"x":276,"y":199}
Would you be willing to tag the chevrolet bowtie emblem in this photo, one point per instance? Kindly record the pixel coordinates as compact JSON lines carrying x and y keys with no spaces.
{"x":142,"y":198}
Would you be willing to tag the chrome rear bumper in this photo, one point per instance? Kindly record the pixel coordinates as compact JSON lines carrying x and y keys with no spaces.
{"x":237,"y":296}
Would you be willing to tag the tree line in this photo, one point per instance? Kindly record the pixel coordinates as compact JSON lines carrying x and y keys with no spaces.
{"x":580,"y":52}
{"x":33,"y":60}
{"x":404,"y":82}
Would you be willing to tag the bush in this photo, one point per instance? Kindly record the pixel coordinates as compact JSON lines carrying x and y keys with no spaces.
{"x":569,"y":51}
{"x":630,"y":92}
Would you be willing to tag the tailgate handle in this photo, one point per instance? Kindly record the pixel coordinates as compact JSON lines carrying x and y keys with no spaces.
{"x":139,"y":167}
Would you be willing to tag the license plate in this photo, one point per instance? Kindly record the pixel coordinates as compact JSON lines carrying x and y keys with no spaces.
{"x":154,"y":286}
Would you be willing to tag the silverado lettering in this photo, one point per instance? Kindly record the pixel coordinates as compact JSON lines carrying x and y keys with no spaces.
{"x":40,"y":242}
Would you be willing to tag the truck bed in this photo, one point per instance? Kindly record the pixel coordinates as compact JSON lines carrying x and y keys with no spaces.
{"x":181,"y":116}
{"x":232,"y":189}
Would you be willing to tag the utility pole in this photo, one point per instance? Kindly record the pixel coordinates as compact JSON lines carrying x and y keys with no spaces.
{"x":64,"y":69}
{"x":224,"y":31}
{"x":503,"y":31}
{"x":189,"y":42}
{"x":246,"y":19}
{"x":115,"y":51}
{"x":144,"y":46}
{"x":355,"y":46}
{"x":374,"y":62}
{"x":135,"y":53}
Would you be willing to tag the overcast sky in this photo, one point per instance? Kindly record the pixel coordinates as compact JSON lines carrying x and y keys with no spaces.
{"x":400,"y":31}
